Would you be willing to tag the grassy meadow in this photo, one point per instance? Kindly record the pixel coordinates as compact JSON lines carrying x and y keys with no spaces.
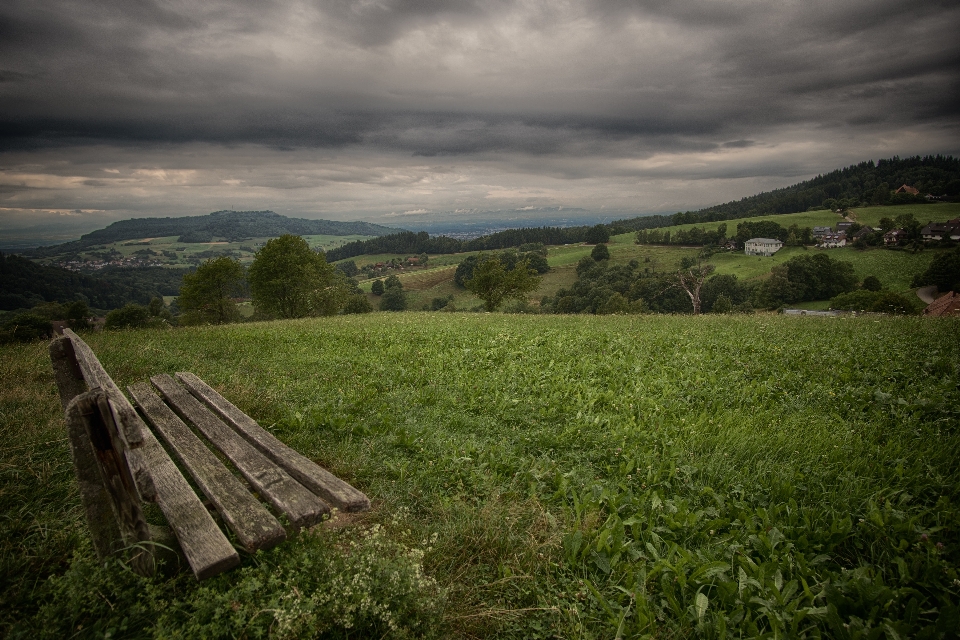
{"x":537,"y":477}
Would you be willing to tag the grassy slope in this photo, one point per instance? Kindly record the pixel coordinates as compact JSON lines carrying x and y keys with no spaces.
{"x":939,"y":212}
{"x":561,"y":464}
{"x":894,"y":268}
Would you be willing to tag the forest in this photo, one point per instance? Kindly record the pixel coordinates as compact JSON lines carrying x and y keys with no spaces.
{"x":409,"y":242}
{"x":25,"y":284}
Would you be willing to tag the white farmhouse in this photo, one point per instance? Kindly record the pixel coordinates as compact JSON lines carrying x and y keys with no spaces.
{"x":833,"y":240}
{"x":761,"y":246}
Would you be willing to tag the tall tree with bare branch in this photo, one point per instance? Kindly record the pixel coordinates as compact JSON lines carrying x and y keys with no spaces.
{"x":690,"y":277}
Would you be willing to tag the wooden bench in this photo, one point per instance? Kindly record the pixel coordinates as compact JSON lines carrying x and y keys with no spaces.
{"x":119,"y":463}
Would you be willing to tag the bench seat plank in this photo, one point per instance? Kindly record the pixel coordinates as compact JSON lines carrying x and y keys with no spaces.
{"x":326,"y":485}
{"x":253,"y":524}
{"x":206,"y":548}
{"x":302,"y":507}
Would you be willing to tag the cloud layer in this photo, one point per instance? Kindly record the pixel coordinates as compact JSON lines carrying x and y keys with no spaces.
{"x":350,"y":109}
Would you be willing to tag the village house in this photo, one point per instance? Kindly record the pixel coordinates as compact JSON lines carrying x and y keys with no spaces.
{"x":907,"y":189}
{"x":821,"y":231}
{"x":843,"y":226}
{"x":863,"y":232}
{"x":833,"y":240}
{"x":894,"y":236}
{"x":761,"y":246}
{"x":949,"y":230}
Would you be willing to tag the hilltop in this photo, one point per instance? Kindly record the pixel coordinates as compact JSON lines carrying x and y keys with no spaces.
{"x":229,"y":226}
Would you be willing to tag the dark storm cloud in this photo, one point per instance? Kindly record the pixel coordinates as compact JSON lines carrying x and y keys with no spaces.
{"x":168,"y":71}
{"x":620,"y":91}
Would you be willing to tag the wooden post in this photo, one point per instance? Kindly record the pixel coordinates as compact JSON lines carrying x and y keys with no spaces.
{"x":93,"y":411}
{"x":96,"y":503}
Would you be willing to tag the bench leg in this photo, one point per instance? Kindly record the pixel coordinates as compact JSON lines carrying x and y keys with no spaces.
{"x":96,"y":503}
{"x":91,"y":414}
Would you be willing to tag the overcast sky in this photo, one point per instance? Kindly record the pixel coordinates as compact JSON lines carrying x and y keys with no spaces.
{"x":404,"y":111}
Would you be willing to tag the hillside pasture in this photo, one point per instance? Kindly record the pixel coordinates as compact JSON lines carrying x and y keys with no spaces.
{"x":537,"y":477}
{"x":924,"y":213}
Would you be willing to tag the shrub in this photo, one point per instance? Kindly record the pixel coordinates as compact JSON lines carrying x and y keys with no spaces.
{"x":722,"y":304}
{"x":393,"y":299}
{"x":25,"y":327}
{"x":132,"y":316}
{"x":860,"y":300}
{"x":357,"y":303}
{"x":890,"y":302}
{"x":600,"y":252}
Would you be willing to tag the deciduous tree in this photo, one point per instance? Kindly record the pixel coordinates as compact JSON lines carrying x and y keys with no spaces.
{"x":286,"y":277}
{"x":493,"y":284}
{"x":690,"y":278}
{"x":206,"y":296}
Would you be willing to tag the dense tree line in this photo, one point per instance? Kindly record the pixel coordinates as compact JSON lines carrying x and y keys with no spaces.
{"x":408,"y":242}
{"x":534,"y":260}
{"x":699,"y":236}
{"x":232,"y":225}
{"x":25,"y":284}
{"x":866,"y":183}
{"x":602,"y":288}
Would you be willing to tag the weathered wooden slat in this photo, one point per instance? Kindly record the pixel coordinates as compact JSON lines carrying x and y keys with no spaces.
{"x":66,"y":371}
{"x":132,"y":426}
{"x":301,"y":506}
{"x":104,"y":531}
{"x":206,"y":549}
{"x":93,"y":411}
{"x":326,"y":485}
{"x":96,"y":376}
{"x":247,"y":517}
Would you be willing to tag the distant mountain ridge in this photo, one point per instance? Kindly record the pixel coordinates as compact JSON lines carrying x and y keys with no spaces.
{"x":230,"y":225}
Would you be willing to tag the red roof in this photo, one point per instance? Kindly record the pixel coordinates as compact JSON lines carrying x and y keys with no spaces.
{"x":907,"y":189}
{"x":947,"y":305}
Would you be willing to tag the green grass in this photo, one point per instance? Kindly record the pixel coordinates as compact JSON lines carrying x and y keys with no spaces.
{"x":804,"y":219}
{"x":924,"y":213}
{"x":571,"y":477}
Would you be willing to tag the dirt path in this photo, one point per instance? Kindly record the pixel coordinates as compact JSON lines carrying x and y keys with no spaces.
{"x":927,"y":294}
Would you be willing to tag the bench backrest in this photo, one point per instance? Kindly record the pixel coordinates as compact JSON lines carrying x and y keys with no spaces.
{"x":118,"y":463}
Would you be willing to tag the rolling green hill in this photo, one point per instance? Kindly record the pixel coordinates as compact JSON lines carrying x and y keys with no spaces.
{"x":229,"y":226}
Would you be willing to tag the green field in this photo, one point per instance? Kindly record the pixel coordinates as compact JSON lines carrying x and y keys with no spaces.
{"x":871,"y":216}
{"x":924,"y":213}
{"x":537,"y":477}
{"x":186,"y":250}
